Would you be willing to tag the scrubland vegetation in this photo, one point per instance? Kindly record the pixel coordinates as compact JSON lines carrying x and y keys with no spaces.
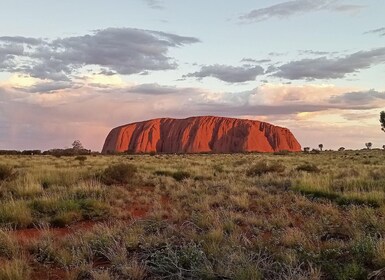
{"x":240,"y":216}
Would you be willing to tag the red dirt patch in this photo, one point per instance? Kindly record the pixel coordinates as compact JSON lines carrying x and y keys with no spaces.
{"x":24,"y":236}
{"x":138,"y":212}
{"x":52,"y":273}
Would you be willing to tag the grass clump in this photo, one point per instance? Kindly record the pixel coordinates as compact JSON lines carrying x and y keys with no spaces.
{"x":15,"y":213}
{"x":181,"y":175}
{"x":65,"y":218}
{"x":177,"y":175}
{"x":119,"y":174}
{"x":6,"y":172}
{"x":280,"y":223}
{"x":308,"y":167}
{"x":15,"y":270}
{"x":187,"y":261}
{"x":163,"y":173}
{"x":264,"y":167}
{"x":8,"y":246}
{"x":81,"y":159}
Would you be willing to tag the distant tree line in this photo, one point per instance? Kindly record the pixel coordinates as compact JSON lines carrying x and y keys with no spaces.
{"x":76,"y":150}
{"x":53,"y":152}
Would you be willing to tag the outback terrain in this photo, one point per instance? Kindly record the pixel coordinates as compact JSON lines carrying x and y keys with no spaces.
{"x":204,"y":216}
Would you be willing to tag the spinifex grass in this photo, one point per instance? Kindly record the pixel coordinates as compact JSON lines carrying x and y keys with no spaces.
{"x":239,"y":216}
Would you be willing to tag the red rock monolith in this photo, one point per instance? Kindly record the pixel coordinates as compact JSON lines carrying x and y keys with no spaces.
{"x":198,"y":135}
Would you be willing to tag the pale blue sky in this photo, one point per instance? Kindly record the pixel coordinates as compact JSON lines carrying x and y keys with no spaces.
{"x":313,"y":51}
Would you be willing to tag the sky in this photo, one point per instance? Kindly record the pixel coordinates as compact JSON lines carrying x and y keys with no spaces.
{"x":76,"y":69}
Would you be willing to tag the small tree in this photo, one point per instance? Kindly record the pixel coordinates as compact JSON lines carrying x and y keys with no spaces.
{"x":77,"y":145}
{"x":382,"y":120}
{"x":320,"y":146}
{"x":306,"y":149}
{"x":368,"y":145}
{"x":341,"y":149}
{"x":383,"y":146}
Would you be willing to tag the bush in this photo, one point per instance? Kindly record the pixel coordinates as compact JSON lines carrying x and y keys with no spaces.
{"x":263,"y":167}
{"x":177,"y":175}
{"x":282,"y":153}
{"x":15,"y":213}
{"x":181,"y":175}
{"x":121,"y":173}
{"x":308,"y":167}
{"x":81,"y":159}
{"x":94,"y":209}
{"x":6,"y":172}
{"x":65,"y":218}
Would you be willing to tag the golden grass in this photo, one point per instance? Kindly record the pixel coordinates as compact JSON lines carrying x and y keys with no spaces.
{"x":241,"y":216}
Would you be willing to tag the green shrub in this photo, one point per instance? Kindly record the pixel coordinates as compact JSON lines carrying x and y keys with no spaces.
{"x":308,"y":167}
{"x":65,"y":218}
{"x":50,"y":207}
{"x":363,"y":249}
{"x":94,"y":209}
{"x":350,"y":271}
{"x":263,"y":167}
{"x":15,"y":213}
{"x":120,"y":173}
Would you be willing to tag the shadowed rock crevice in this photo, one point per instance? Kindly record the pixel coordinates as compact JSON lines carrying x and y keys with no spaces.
{"x":198,"y":135}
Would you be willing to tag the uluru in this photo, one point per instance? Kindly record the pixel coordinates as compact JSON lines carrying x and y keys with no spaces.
{"x":200,"y":135}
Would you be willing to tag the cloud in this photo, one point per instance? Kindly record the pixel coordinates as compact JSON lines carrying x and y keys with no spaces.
{"x":379,"y":31}
{"x":56,"y":117}
{"x":116,"y":50}
{"x":153,"y":89}
{"x":330,"y":68}
{"x":251,"y":60}
{"x":295,"y":7}
{"x":312,"y":52}
{"x":154,"y":4}
{"x":358,"y":97}
{"x":229,"y":74}
{"x":48,"y":87}
{"x":21,"y":40}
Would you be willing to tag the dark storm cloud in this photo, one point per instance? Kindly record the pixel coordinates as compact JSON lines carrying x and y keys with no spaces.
{"x":330,"y":68}
{"x":379,"y":31}
{"x":121,"y":50}
{"x":228,"y":73}
{"x":290,"y":8}
{"x":359,"y":97}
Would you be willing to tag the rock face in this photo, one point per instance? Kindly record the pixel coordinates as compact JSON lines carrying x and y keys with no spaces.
{"x":200,"y":134}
